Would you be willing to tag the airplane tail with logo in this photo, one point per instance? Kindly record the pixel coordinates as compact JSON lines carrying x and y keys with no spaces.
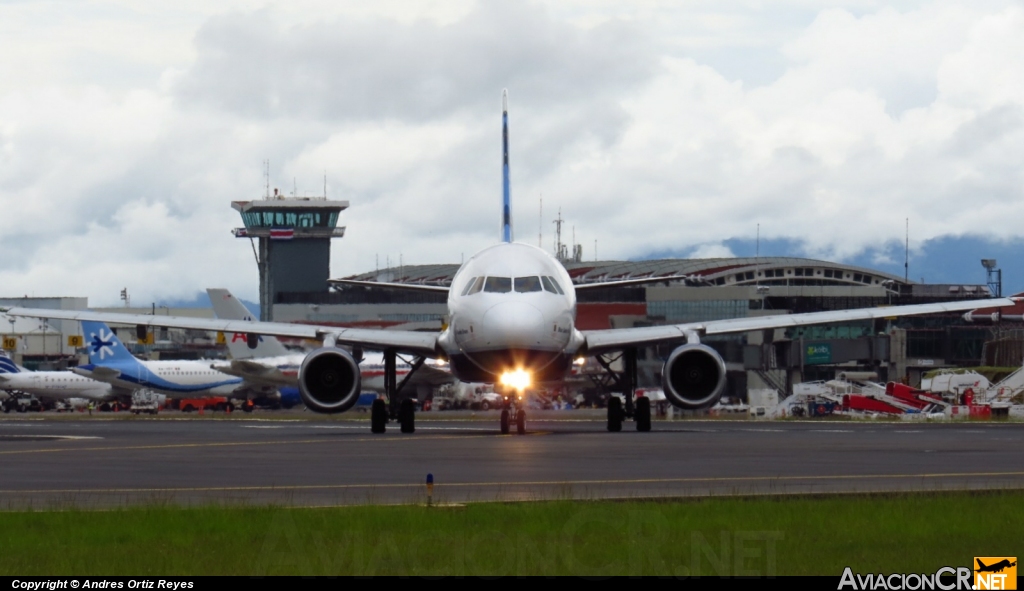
{"x":506,"y":201}
{"x":104,"y":346}
{"x":7,"y":365}
{"x":228,"y":307}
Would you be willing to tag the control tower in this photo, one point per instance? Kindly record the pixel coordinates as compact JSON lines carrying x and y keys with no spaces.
{"x":294,"y":252}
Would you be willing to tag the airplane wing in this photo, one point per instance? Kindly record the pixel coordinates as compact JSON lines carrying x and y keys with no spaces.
{"x":403,"y":341}
{"x":386,"y":285}
{"x":99,"y":373}
{"x":599,"y":341}
{"x":627,"y":282}
{"x":256,"y":373}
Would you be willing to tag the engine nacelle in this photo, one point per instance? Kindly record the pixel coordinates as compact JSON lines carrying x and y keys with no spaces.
{"x":694,"y":377}
{"x":329,"y":380}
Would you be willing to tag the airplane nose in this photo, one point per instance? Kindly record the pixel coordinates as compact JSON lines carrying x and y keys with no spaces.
{"x":514,"y":324}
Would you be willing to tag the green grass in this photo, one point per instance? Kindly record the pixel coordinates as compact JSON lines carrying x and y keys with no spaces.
{"x":798,"y":536}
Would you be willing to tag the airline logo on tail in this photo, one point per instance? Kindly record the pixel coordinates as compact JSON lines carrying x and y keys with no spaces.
{"x":8,"y":366}
{"x":102,"y":343}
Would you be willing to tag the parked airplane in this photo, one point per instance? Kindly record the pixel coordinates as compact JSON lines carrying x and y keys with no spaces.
{"x":268,"y":364}
{"x":111,"y":362}
{"x":271,"y":363}
{"x":52,"y":386}
{"x":512,"y":310}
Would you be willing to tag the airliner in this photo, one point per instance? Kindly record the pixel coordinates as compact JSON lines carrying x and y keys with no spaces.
{"x":512,"y":310}
{"x":111,"y":362}
{"x":51,"y":386}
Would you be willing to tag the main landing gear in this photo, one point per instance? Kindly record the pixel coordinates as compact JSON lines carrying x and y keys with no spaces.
{"x":640,"y":411}
{"x":395,"y":407}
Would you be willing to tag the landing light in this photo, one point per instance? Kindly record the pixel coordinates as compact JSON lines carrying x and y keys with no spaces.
{"x":518,"y":379}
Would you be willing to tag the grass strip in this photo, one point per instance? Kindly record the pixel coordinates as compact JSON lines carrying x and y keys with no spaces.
{"x":916,"y":533}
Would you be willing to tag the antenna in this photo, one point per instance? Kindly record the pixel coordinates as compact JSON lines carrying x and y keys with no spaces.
{"x":266,"y":178}
{"x":595,"y":250}
{"x":559,"y":247}
{"x":757,"y":262}
{"x":325,"y":184}
{"x":906,"y":260}
{"x":540,"y":224}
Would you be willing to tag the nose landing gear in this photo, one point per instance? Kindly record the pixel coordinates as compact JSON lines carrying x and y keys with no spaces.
{"x":513,"y":414}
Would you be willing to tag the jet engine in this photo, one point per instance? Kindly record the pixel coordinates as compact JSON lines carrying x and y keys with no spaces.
{"x":694,"y":377}
{"x":329,"y":380}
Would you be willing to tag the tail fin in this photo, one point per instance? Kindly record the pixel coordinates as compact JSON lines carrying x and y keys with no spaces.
{"x":506,"y":205}
{"x":104,"y":346}
{"x":7,"y":365}
{"x":228,"y":307}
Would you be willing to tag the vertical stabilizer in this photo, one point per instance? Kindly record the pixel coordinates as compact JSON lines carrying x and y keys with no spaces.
{"x":7,"y":365}
{"x":228,"y":307}
{"x":104,"y":346}
{"x":506,"y":202}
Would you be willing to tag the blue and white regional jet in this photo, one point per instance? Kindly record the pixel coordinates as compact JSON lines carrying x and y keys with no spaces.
{"x":111,"y":362}
{"x":51,"y":386}
{"x":512,"y":310}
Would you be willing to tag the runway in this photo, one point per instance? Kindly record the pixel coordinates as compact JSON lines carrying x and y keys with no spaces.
{"x":289,"y":459}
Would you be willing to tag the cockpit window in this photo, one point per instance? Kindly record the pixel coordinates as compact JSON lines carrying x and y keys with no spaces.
{"x":551,"y":285}
{"x":478,"y":284}
{"x":469,"y":286}
{"x":498,"y":284}
{"x":528,"y":284}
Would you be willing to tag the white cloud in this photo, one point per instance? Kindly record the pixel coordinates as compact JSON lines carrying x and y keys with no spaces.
{"x":126,"y":129}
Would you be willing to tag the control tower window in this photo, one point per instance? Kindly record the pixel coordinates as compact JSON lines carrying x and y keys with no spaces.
{"x":528,"y":284}
{"x":498,"y":284}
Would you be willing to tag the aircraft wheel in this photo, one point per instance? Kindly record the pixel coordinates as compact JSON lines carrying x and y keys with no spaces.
{"x":643,"y":414}
{"x":407,"y":416}
{"x":378,"y":416}
{"x":614,"y":414}
{"x":521,"y":422}
{"x":504,"y":422}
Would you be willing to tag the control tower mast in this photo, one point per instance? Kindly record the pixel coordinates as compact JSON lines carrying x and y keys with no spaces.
{"x":294,"y":251}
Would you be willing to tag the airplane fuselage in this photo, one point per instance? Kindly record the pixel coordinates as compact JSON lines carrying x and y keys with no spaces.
{"x":172,"y":378}
{"x":56,"y":385}
{"x":511,"y":307}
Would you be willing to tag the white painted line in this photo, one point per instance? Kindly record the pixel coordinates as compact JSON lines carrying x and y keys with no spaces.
{"x":49,"y":437}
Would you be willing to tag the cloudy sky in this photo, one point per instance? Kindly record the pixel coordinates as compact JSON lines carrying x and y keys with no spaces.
{"x":657,"y":127}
